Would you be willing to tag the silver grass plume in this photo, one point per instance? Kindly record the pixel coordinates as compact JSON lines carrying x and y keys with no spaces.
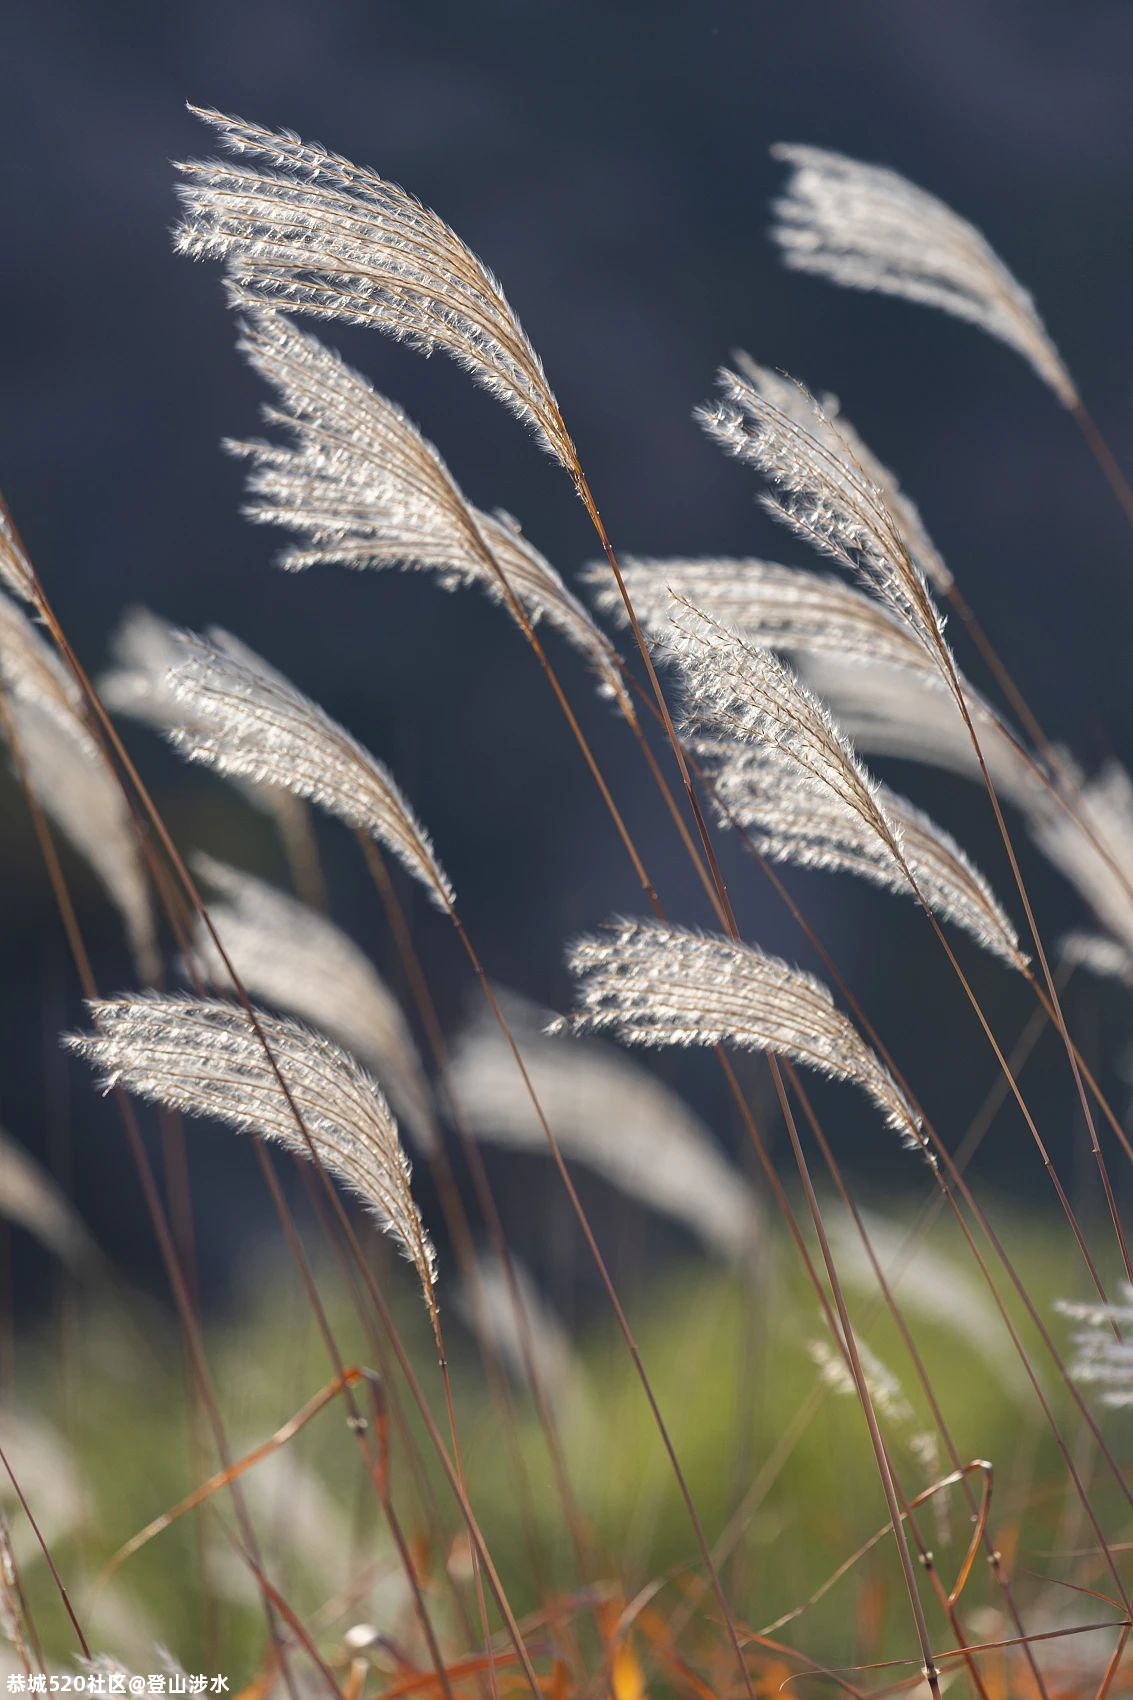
{"x":11,"y":1600}
{"x":885,"y":1391}
{"x":1082,"y":826}
{"x":33,"y":1200}
{"x":1100,"y":1358}
{"x":1099,"y":955}
{"x":870,"y":228}
{"x":608,"y":1115}
{"x":793,"y":399}
{"x":887,"y":693}
{"x":71,"y":783}
{"x":654,"y":984}
{"x":42,"y":715}
{"x":790,"y":819}
{"x":16,"y":572}
{"x":783,"y":768}
{"x":1091,"y":846}
{"x":781,"y":608}
{"x":145,"y":649}
{"x":891,"y":711}
{"x":48,"y":1472}
{"x":535,"y":1340}
{"x":245,"y":719}
{"x":203,"y":1057}
{"x":298,"y":961}
{"x":363,"y":488}
{"x":823,"y":495}
{"x":32,"y":671}
{"x":306,"y":231}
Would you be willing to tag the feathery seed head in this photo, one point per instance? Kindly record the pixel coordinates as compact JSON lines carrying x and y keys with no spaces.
{"x":299,"y":961}
{"x":204,"y":1057}
{"x":870,"y":228}
{"x":313,"y":233}
{"x":656,"y":984}
{"x":363,"y":488}
{"x":782,"y":766}
{"x":244,"y":719}
{"x":822,"y":493}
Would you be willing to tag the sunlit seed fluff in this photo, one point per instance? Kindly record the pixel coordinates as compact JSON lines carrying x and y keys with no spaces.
{"x":748,"y":696}
{"x":781,"y":608}
{"x":297,"y":960}
{"x":823,"y":495}
{"x":885,"y":1391}
{"x":870,"y":228}
{"x":32,"y":670}
{"x":1100,"y":1358}
{"x":204,"y":1057}
{"x":886,"y":691}
{"x":782,"y":768}
{"x":792,"y":819}
{"x":1098,"y":955}
{"x":1091,"y":841}
{"x":608,"y":1115}
{"x":11,"y":1602}
{"x":64,"y":768}
{"x":32,"y":1199}
{"x":16,"y":572}
{"x":890,"y":711}
{"x":793,"y":399}
{"x":145,"y":649}
{"x":245,"y":719}
{"x":306,"y":231}
{"x":363,"y":488}
{"x":654,"y":984}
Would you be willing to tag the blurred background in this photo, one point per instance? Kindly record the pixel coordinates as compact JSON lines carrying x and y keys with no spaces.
{"x":611,"y":164}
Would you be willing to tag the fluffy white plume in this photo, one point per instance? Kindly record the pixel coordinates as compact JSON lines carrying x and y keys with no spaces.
{"x":300,"y":962}
{"x":315,"y":234}
{"x":31,"y":669}
{"x":884,"y":1389}
{"x":1100,"y":1358}
{"x":1084,"y":827}
{"x":15,"y":568}
{"x":608,"y":1115}
{"x":889,"y":711}
{"x":245,"y":719}
{"x":824,"y":495}
{"x":1092,"y":843}
{"x":782,"y":608}
{"x":782,"y":768}
{"x":203,"y":1057}
{"x":655,"y":984}
{"x":363,"y":488}
{"x":46,"y":1468}
{"x":1098,"y":955}
{"x":63,"y":765}
{"x":828,"y":420}
{"x":792,"y":819}
{"x":870,"y":228}
{"x":30,"y":1197}
{"x":145,"y":650}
